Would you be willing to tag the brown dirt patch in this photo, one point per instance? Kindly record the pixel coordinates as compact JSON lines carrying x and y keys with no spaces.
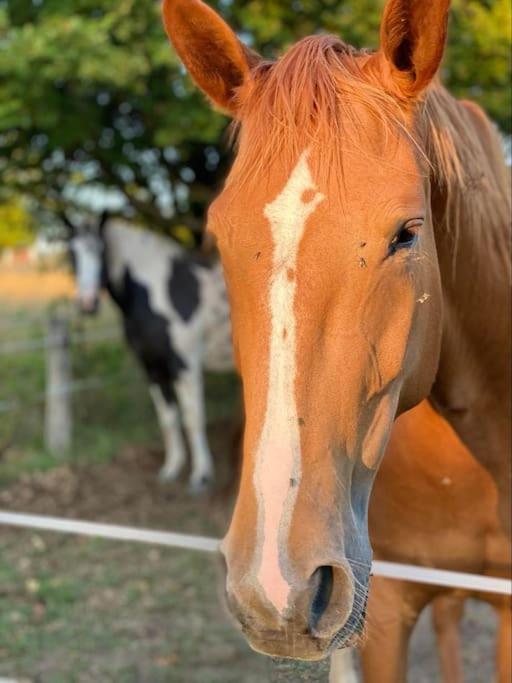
{"x":25,"y":285}
{"x":127,"y":491}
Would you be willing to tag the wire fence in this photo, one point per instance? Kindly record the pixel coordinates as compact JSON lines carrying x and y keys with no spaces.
{"x":29,"y":344}
{"x":74,"y":387}
{"x":20,"y":346}
{"x":34,"y":400}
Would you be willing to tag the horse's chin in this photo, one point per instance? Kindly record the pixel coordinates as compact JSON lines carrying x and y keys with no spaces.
{"x":89,"y":308}
{"x":290,"y":646}
{"x":303,"y":646}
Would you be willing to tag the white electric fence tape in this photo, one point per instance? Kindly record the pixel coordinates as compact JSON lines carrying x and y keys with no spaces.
{"x":442,"y":577}
{"x":390,"y":570}
{"x":112,"y":531}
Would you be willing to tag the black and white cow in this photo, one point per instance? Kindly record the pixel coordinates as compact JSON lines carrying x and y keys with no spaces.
{"x":176,"y":319}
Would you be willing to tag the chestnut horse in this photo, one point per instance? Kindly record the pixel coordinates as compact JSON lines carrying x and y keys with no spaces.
{"x":363,"y":231}
{"x":432,"y":504}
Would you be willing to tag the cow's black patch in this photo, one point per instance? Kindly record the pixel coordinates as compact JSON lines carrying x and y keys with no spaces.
{"x":147,"y":332}
{"x":184,"y":288}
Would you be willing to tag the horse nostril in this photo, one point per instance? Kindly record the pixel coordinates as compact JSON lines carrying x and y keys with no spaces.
{"x":323,"y":578}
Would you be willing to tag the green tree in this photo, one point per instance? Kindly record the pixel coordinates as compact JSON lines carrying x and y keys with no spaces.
{"x":92,"y":96}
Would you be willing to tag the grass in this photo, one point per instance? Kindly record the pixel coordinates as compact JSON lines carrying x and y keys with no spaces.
{"x":125,"y":613}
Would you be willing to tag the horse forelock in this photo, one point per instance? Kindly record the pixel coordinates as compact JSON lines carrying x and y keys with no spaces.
{"x":310,"y":98}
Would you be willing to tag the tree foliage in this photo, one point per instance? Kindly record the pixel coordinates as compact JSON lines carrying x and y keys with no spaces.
{"x":16,"y":228}
{"x":92,"y":96}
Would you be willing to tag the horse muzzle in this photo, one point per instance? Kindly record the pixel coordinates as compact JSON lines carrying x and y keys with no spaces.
{"x":321,"y":614}
{"x":88,"y":305}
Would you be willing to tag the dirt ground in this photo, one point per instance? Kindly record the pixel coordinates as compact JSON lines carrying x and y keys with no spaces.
{"x":30,"y":284}
{"x":87,"y":610}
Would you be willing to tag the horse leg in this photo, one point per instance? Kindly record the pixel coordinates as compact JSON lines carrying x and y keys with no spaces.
{"x":393,"y":609}
{"x":189,"y":390}
{"x":504,"y":654}
{"x":168,"y":418}
{"x":447,"y":612}
{"x":342,"y":667}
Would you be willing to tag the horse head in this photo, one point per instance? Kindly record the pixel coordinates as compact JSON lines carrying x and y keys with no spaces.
{"x":86,"y":246}
{"x":326,"y":237}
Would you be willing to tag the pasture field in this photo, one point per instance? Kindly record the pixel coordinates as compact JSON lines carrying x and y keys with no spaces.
{"x":91,"y":611}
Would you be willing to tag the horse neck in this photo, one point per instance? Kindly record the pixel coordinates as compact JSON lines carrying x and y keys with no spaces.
{"x":472,"y":388}
{"x":107,"y":281}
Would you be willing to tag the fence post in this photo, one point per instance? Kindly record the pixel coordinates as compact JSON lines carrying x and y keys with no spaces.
{"x":58,"y":417}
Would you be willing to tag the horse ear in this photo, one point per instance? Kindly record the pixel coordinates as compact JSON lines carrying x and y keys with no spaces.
{"x":413,"y":35}
{"x":215,"y":58}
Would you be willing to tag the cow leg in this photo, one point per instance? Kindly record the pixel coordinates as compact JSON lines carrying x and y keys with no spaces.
{"x":447,"y":612}
{"x":190,"y":394}
{"x":504,"y":654}
{"x":393,"y":609}
{"x":342,"y":667}
{"x":169,"y":420}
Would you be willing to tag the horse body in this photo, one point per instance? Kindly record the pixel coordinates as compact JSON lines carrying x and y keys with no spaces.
{"x":354,"y":230}
{"x":176,"y":320}
{"x":435,"y":505}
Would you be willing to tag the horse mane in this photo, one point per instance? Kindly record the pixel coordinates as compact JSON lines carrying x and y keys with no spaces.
{"x":312,"y":97}
{"x":468,"y":167}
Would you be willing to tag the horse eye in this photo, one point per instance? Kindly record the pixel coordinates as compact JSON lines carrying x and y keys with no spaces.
{"x":405,"y":237}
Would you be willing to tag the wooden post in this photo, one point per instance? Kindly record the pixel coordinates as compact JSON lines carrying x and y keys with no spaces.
{"x":294,"y":671}
{"x":58,"y":417}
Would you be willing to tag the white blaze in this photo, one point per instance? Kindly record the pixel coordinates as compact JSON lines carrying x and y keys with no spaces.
{"x":278,"y":464}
